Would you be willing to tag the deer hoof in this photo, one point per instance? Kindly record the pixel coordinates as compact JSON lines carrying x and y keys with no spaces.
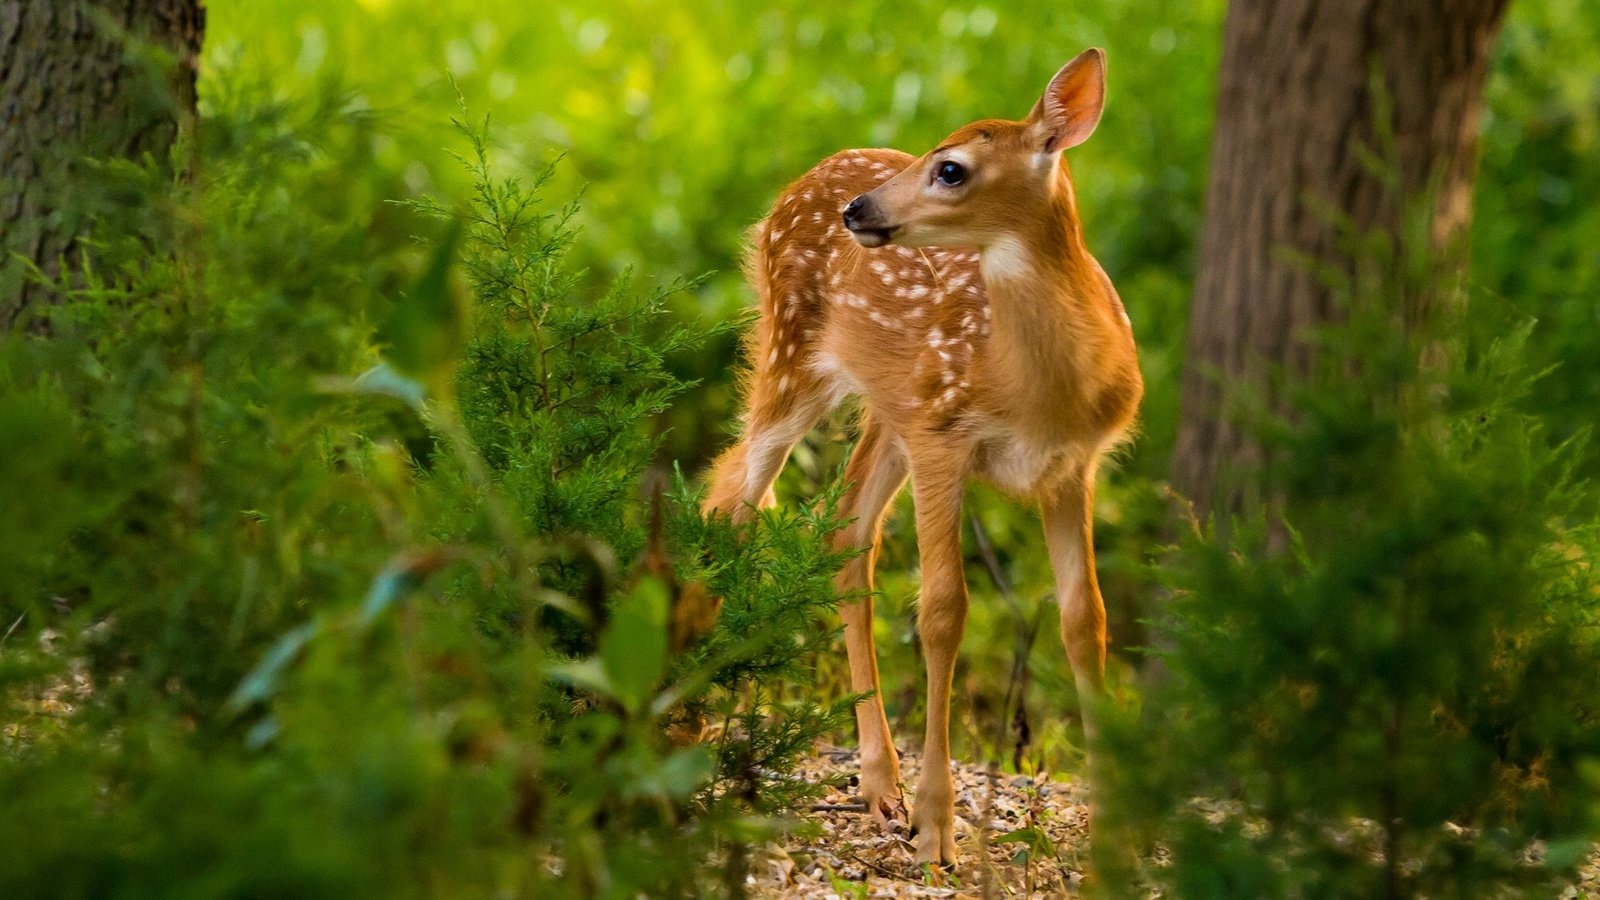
{"x":936,"y":845}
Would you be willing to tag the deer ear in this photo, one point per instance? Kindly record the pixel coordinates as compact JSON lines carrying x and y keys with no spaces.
{"x":1070,"y":109}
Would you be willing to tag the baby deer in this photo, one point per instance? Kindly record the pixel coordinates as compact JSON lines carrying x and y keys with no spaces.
{"x":956,"y":297}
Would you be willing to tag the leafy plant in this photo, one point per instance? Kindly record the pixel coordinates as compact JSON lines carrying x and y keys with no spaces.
{"x":1391,"y":686}
{"x":394,"y":629}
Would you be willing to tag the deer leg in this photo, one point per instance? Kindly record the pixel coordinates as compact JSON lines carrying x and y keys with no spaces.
{"x":874,"y":475}
{"x":941,"y":621}
{"x":1069,"y":536}
{"x":741,"y":479}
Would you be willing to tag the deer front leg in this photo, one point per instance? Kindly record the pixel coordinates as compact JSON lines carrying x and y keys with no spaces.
{"x":941,"y":620}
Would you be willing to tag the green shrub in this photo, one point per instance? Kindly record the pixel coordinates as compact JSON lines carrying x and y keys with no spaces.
{"x":1389,"y":685}
{"x":686,"y":121}
{"x":281,"y":629}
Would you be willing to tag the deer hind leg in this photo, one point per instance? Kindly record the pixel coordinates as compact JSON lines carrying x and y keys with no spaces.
{"x":874,"y":475}
{"x":784,"y":400}
{"x":941,"y":620}
{"x":783,"y":407}
{"x":1069,"y":536}
{"x":784,"y":396}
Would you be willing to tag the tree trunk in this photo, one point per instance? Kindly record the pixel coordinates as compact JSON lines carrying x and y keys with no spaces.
{"x":1297,"y":120}
{"x":81,"y":79}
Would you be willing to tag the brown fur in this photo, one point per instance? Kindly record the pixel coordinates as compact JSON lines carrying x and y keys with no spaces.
{"x":1020,"y":369}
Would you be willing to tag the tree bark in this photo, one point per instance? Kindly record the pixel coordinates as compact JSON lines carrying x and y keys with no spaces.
{"x":1297,"y":121}
{"x":81,"y":79}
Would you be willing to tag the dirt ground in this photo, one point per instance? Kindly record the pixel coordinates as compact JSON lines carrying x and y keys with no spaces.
{"x":1033,"y":841}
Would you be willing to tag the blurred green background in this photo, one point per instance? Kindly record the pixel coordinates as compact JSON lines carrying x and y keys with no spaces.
{"x":678,"y":123}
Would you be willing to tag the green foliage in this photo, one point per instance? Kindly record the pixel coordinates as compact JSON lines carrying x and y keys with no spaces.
{"x":1535,"y":225}
{"x":330,"y":635}
{"x":308,"y":591}
{"x":685,"y":120}
{"x":1391,"y":685}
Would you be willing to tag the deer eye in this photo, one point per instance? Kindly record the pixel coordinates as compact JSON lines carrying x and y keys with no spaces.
{"x":950,"y":173}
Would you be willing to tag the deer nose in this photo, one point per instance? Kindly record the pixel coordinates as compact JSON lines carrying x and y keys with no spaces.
{"x":853,"y":210}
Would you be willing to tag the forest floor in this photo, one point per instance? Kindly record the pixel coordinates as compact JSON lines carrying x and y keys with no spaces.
{"x":1034,"y":841}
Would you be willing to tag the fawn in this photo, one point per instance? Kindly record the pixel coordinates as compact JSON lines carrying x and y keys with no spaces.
{"x":954,"y":294}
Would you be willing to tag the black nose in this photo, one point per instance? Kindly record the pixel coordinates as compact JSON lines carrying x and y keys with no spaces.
{"x":853,"y":210}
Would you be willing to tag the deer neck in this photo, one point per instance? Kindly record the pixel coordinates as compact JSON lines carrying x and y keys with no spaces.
{"x":1052,"y":316}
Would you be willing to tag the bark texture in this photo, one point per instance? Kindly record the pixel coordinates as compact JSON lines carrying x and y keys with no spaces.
{"x":1296,"y":112}
{"x":81,"y":79}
